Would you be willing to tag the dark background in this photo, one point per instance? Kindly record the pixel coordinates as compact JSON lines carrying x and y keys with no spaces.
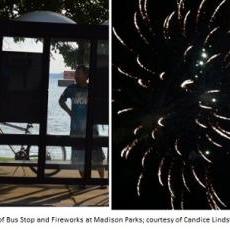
{"x":125,"y":173}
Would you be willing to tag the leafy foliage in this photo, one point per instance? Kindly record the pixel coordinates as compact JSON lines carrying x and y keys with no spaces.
{"x":81,"y":11}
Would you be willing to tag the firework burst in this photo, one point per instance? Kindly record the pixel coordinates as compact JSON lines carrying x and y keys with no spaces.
{"x":175,"y":106}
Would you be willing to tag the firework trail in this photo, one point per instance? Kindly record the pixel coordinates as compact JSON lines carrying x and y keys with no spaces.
{"x":179,"y":67}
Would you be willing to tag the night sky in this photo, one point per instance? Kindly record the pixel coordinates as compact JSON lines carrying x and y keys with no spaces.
{"x":194,"y":89}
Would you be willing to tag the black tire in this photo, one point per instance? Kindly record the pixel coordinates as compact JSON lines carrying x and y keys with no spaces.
{"x":60,"y":157}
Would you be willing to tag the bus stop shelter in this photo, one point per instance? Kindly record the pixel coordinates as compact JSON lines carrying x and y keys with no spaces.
{"x":30,"y":105}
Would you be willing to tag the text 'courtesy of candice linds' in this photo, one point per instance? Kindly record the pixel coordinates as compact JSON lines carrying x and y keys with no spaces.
{"x":114,"y":220}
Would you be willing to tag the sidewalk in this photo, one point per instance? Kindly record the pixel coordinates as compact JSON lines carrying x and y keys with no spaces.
{"x":53,"y":195}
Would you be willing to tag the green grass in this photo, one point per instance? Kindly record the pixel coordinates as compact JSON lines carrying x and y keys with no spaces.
{"x":6,"y":158}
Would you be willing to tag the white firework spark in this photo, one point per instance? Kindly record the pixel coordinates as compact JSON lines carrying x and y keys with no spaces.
{"x":121,"y":40}
{"x":143,"y":66}
{"x":221,"y":117}
{"x":167,"y":24}
{"x":139,"y":184}
{"x":160,"y":168}
{"x":185,"y":22}
{"x":213,"y":31}
{"x":126,"y":73}
{"x":160,"y":122}
{"x":176,"y":148}
{"x":124,"y":110}
{"x":204,"y":156}
{"x":187,"y":52}
{"x":137,"y":129}
{"x":220,"y":132}
{"x":185,"y":83}
{"x":180,"y":8}
{"x":126,"y":151}
{"x":212,"y":58}
{"x":217,"y":10}
{"x":184,"y":180}
{"x":213,"y":142}
{"x":162,"y":76}
{"x":143,"y":84}
{"x":172,"y":193}
{"x":193,"y":43}
{"x":142,"y":36}
{"x":200,"y":124}
{"x":200,"y":10}
{"x":197,"y":178}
